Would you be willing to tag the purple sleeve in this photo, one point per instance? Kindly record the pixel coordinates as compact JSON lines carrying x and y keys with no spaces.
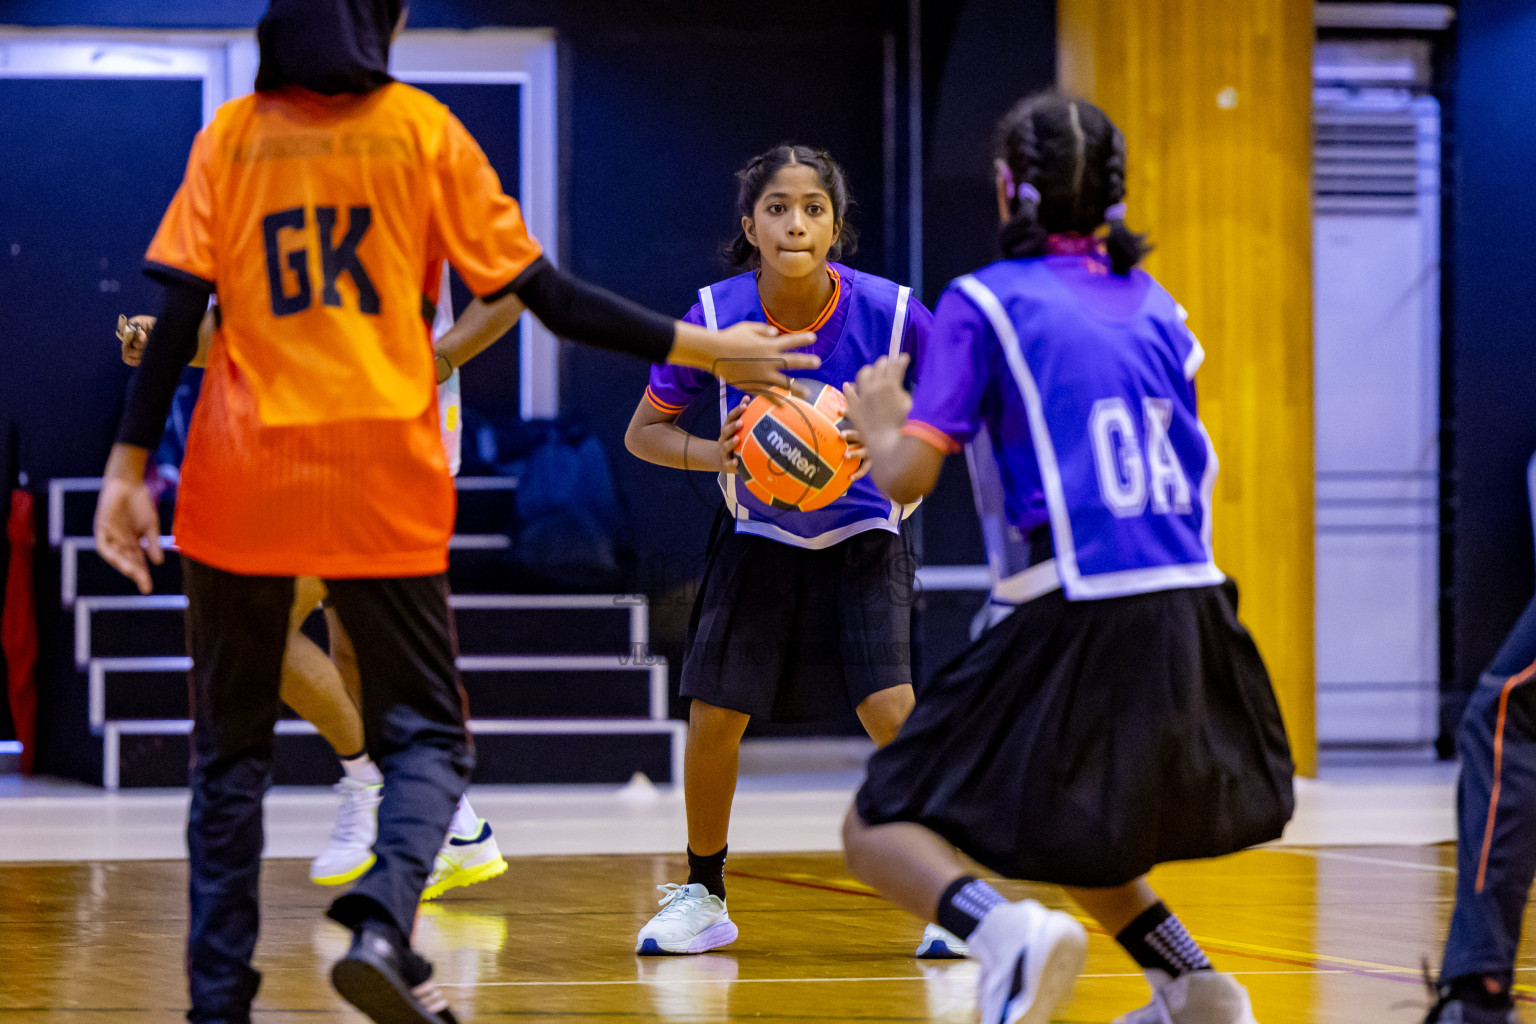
{"x":951,"y":375}
{"x":672,"y":388}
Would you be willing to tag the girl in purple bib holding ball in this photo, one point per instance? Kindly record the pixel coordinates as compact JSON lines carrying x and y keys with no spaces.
{"x":800,"y":613}
{"x":1116,"y":715}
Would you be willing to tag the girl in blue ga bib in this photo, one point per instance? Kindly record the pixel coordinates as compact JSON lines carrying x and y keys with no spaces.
{"x":1116,"y":714}
{"x":799,"y":614}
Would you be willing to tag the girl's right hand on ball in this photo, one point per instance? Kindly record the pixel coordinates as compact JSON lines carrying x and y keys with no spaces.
{"x":728,"y":436}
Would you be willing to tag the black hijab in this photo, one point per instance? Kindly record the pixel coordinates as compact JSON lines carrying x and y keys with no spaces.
{"x":327,"y":46}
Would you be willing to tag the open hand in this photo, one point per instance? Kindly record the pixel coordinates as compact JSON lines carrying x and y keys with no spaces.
{"x":877,"y":402}
{"x":745,"y":354}
{"x":127,"y":522}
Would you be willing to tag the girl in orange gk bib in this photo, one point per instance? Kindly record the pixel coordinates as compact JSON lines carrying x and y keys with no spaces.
{"x":315,"y":209}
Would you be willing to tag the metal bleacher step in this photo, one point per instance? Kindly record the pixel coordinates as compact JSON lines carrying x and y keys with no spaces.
{"x":157,"y":706}
{"x":130,"y":625}
{"x":82,"y":571}
{"x":159,"y":688}
{"x":551,"y":679}
{"x":533,"y":708}
{"x":622,"y":742}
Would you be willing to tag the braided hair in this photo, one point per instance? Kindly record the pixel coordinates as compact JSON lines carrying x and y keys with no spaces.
{"x":1066,"y":162}
{"x":753,"y":179}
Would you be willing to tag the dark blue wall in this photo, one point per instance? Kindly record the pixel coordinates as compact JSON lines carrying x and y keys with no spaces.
{"x":1493,"y":327}
{"x":86,"y":170}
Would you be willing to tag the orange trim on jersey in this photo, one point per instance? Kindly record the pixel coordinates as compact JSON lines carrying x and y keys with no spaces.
{"x":671,"y":410}
{"x":1498,"y":766}
{"x":826,"y":313}
{"x":931,"y":435}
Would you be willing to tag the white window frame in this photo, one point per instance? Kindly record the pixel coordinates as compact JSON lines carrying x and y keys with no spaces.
{"x":226,"y":62}
{"x":523,"y":57}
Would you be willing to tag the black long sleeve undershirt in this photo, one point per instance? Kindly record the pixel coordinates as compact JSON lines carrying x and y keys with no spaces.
{"x":566,"y":305}
{"x":170,"y":347}
{"x":574,"y":309}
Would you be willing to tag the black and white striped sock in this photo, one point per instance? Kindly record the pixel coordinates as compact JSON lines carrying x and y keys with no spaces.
{"x":1157,"y":941}
{"x":965,"y":903}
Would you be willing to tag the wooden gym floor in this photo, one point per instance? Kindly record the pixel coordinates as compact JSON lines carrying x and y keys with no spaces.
{"x":1319,"y":936}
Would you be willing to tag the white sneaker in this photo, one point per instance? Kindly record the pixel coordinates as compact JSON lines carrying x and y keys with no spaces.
{"x":939,"y":944}
{"x":690,"y":921}
{"x":1030,"y":957}
{"x":1200,"y":997}
{"x":350,"y":851}
{"x":465,"y":860}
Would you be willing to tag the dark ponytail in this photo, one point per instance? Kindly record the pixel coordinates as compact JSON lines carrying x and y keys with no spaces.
{"x":759,"y":171}
{"x":1126,"y":248}
{"x":1067,"y":162}
{"x":1023,"y":235}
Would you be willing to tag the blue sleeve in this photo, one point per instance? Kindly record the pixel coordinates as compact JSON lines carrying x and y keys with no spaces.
{"x":671,"y":388}
{"x":953,"y":370}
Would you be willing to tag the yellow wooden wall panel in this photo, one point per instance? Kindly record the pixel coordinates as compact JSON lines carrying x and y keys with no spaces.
{"x":1215,"y":99}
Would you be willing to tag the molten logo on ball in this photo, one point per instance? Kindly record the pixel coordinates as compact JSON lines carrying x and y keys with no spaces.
{"x":790,"y":455}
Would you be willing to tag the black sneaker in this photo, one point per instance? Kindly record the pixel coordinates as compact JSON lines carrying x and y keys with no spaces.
{"x":1454,"y":1010}
{"x":1464,"y":1001}
{"x":389,"y":983}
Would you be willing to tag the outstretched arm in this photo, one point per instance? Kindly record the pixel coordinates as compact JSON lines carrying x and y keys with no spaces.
{"x":904,"y":467}
{"x":654,"y":436}
{"x":575,"y":309}
{"x":482,"y":324}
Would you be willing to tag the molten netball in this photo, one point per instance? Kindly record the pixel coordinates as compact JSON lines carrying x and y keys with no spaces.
{"x":791,"y":453}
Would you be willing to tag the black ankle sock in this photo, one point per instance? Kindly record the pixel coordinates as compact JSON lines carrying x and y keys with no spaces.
{"x":965,"y":903}
{"x":1157,"y":940}
{"x":708,"y":871}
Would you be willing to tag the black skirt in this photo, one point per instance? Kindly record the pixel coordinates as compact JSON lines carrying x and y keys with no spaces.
{"x":794,"y":635}
{"x":1083,"y":742}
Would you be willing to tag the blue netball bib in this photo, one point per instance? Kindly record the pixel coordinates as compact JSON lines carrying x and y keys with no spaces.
{"x":869,"y":323}
{"x":1127,"y":468}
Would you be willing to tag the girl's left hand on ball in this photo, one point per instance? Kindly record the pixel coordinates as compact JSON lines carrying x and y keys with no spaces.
{"x":876,"y":400}
{"x":856,"y":450}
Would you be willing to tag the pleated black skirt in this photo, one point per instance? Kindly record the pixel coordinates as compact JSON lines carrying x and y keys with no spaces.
{"x":1083,"y":742}
{"x":795,"y":635}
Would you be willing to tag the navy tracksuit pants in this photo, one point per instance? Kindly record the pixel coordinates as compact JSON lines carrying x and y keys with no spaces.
{"x":1496,"y":803}
{"x":413,"y":718}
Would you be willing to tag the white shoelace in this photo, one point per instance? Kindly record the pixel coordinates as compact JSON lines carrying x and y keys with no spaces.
{"x":675,"y":902}
{"x":351,"y":820}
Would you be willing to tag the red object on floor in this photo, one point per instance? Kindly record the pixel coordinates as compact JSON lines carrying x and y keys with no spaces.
{"x":18,"y":624}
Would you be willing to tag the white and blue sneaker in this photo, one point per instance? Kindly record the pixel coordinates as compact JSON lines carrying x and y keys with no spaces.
{"x":465,"y":860}
{"x":350,"y":851}
{"x":939,"y":944}
{"x":690,"y":921}
{"x":1201,"y":997}
{"x":1030,"y":958}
